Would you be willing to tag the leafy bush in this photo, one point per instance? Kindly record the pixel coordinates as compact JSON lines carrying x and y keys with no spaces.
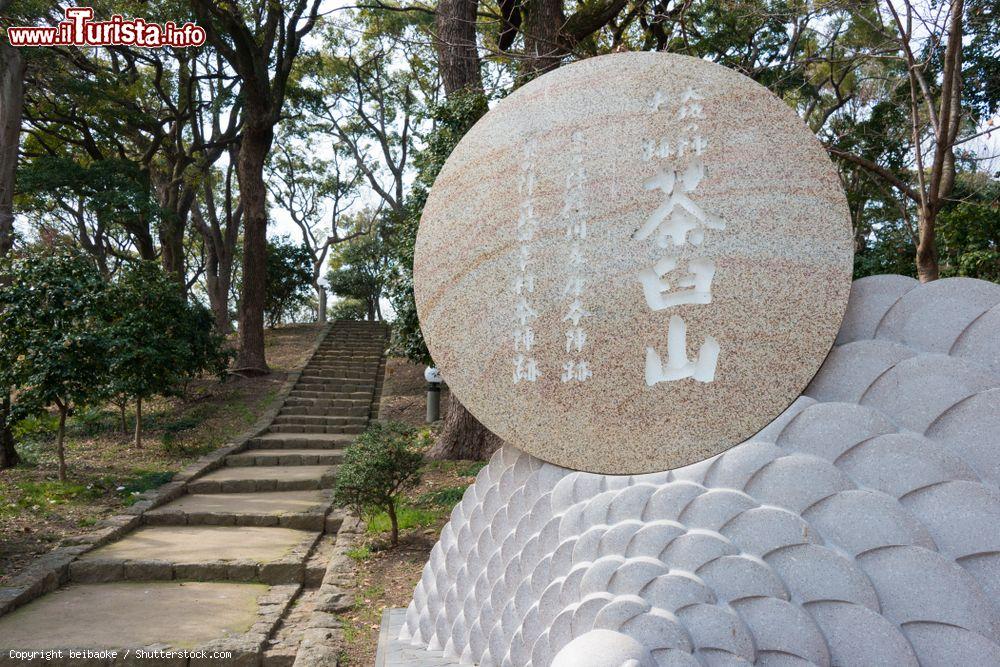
{"x":72,"y":339}
{"x":349,"y":309}
{"x":156,"y":339}
{"x":53,"y":349}
{"x":383,"y":462}
{"x":289,"y":279}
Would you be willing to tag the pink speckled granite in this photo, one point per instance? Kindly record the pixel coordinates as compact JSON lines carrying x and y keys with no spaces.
{"x":583,"y":145}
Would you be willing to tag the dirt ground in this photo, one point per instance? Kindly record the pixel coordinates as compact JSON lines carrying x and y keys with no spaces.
{"x":386,"y":577}
{"x":404,"y":394}
{"x":106,"y":471}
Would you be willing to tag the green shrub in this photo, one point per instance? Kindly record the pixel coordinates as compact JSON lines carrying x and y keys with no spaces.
{"x":383,"y":462}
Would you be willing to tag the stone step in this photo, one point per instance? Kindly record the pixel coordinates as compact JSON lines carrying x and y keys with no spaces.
{"x":345,"y":357}
{"x":352,"y":384}
{"x":334,"y":374}
{"x":362,"y":396}
{"x":353,"y":364}
{"x":352,"y":372}
{"x":302,"y":510}
{"x":349,"y":353}
{"x":200,"y":553}
{"x":300,"y":441}
{"x":330,"y":402}
{"x":316,"y":428}
{"x":162,"y":616}
{"x":334,"y":386}
{"x":340,"y":363}
{"x":358,"y":409}
{"x":319,"y":420}
{"x":286,"y":456}
{"x":248,"y":479}
{"x":307,"y":408}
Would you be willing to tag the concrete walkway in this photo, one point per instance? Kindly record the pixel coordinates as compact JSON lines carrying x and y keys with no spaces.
{"x":220,"y":567}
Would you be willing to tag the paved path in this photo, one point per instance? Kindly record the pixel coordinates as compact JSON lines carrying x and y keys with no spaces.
{"x":220,"y":567}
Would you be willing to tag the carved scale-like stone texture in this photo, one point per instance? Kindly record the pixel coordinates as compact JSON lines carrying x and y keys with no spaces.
{"x":861,"y":527}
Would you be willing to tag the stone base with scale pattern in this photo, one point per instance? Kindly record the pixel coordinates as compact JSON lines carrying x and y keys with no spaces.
{"x":859,"y":528}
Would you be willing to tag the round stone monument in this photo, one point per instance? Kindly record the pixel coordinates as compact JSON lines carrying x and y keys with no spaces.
{"x":633,"y":263}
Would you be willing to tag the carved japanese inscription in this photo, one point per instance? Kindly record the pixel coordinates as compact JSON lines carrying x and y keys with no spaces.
{"x":633,"y":263}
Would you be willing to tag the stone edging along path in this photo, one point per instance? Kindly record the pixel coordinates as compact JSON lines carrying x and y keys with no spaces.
{"x":212,"y":561}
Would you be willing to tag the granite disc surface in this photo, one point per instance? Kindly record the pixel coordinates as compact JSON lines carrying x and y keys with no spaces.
{"x":633,"y":263}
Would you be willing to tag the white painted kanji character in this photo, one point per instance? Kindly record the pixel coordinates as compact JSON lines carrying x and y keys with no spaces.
{"x":576,"y":229}
{"x":576,"y":338}
{"x":691,"y":141}
{"x":693,"y":110}
{"x":524,"y":338}
{"x":678,"y":214}
{"x":526,"y":183}
{"x":576,"y":312}
{"x":574,"y":286}
{"x":659,"y":99}
{"x":648,"y":149}
{"x":678,"y":366}
{"x":697,"y":283}
{"x":690,"y":105}
{"x":524,"y":256}
{"x":527,"y":223}
{"x":578,"y":371}
{"x":691,"y":94}
{"x":575,"y":180}
{"x":524,"y":312}
{"x":525,"y":368}
{"x":576,"y":256}
{"x":524,"y":283}
{"x":651,"y":148}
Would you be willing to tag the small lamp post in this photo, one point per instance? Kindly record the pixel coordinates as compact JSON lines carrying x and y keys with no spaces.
{"x":433,"y":377}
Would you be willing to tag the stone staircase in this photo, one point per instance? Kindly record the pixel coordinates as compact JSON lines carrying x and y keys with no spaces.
{"x":254,"y":530}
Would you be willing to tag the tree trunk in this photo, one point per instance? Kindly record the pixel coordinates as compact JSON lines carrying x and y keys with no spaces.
{"x":394,"y":523}
{"x":60,"y":441}
{"x":257,"y":137}
{"x":927,"y":255}
{"x":463,"y":437}
{"x":172,"y":244}
{"x":11,"y":105}
{"x":543,"y":21}
{"x":455,"y":43}
{"x":218,"y":279}
{"x":321,"y":307}
{"x":121,"y":415}
{"x":8,"y":454}
{"x":138,"y":422}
